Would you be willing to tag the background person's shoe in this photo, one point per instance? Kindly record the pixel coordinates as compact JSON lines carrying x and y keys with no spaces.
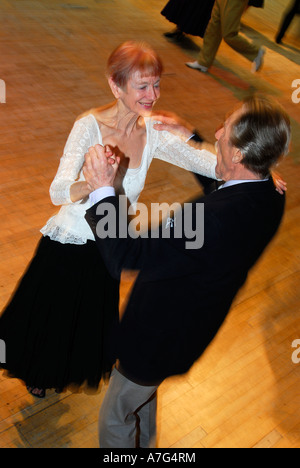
{"x":196,"y":66}
{"x":176,"y":34}
{"x":259,"y":60}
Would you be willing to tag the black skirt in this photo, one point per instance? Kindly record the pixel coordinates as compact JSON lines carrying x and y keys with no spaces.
{"x":58,"y":325}
{"x":191,"y":16}
{"x":256,"y":3}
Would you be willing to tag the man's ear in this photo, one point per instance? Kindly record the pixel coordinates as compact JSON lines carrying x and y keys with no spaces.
{"x":237,"y":157}
{"x":114,"y":88}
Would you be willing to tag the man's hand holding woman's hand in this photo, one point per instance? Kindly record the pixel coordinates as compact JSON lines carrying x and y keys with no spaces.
{"x":100,"y":167}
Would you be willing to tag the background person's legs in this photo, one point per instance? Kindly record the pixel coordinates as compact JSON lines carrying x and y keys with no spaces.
{"x":231,"y":14}
{"x":288,"y":18}
{"x":212,"y":38}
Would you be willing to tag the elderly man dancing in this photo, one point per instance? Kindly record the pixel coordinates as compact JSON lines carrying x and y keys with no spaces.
{"x":181,"y":296}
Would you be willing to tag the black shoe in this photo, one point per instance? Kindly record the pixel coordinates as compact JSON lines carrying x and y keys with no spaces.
{"x":37,"y":392}
{"x":177,"y":34}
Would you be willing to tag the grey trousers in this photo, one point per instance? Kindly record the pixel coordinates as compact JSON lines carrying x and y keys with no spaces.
{"x":127,"y":416}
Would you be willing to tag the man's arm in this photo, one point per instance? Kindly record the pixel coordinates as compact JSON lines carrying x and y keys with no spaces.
{"x":160,"y":251}
{"x":174,"y":124}
{"x":118,"y":252}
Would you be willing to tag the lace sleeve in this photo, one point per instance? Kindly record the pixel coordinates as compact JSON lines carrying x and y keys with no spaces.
{"x":71,"y":163}
{"x":173,"y":150}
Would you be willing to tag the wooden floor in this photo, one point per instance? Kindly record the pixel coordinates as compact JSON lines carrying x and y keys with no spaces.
{"x":244,"y":392}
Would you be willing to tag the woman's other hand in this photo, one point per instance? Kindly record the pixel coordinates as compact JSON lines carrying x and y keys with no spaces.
{"x":100,"y":167}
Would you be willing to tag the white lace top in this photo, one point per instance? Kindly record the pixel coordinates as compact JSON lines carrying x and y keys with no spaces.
{"x":69,"y":224}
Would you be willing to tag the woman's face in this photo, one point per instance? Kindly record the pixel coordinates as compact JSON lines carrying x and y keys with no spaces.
{"x":141,"y":93}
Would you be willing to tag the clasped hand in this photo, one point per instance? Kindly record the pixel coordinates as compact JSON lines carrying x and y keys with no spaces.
{"x":100,"y":167}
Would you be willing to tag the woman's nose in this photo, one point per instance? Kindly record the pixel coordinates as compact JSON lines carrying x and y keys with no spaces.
{"x":153,"y":92}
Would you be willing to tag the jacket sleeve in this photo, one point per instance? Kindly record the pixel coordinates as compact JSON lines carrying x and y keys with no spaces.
{"x":158,"y":251}
{"x":118,"y":252}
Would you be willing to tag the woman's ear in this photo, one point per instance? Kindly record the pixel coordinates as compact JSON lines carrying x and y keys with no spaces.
{"x":114,"y":88}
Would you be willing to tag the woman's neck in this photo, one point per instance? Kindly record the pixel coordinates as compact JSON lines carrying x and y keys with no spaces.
{"x":124,"y":120}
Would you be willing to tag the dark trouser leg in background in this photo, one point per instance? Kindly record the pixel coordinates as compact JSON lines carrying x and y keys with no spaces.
{"x":287,"y":20}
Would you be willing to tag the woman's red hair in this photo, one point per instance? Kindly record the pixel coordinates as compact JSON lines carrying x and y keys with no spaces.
{"x":131,"y":57}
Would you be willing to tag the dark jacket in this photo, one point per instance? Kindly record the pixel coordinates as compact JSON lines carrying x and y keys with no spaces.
{"x":181,"y":297}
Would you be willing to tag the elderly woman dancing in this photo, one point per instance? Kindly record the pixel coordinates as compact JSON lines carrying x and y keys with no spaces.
{"x":58,"y":323}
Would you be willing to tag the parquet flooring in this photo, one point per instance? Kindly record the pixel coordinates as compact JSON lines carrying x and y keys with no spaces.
{"x":244,"y":391}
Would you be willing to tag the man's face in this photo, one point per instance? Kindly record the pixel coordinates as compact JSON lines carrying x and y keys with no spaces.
{"x":226,"y":152}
